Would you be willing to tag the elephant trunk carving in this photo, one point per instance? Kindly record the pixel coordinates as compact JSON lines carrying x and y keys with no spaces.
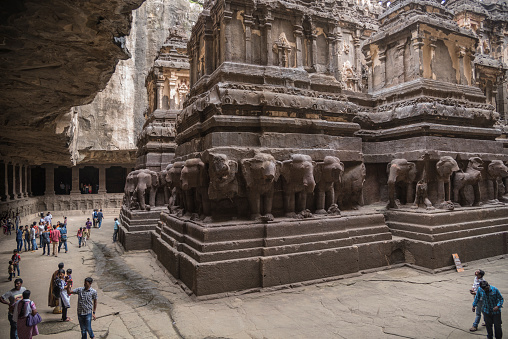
{"x":403,"y":172}
{"x":298,"y":182}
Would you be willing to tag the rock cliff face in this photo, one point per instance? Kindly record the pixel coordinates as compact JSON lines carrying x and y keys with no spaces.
{"x":55,"y":54}
{"x":115,"y":117}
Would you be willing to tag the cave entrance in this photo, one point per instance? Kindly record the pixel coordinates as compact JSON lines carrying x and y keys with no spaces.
{"x":38,"y":180}
{"x":115,"y":179}
{"x":88,"y":180}
{"x":63,"y":180}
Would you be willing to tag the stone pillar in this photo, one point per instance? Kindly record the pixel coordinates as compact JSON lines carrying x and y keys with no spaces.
{"x":298,"y":31}
{"x":248,"y":21}
{"x":20,"y":179}
{"x":25,"y":178}
{"x":461,"y":53}
{"x":6,"y":180}
{"x":102,"y":180}
{"x":228,"y":15}
{"x":268,"y":39}
{"x":15,"y":181}
{"x":209,"y":52}
{"x":50,"y":180}
{"x":314,"y":48}
{"x":160,"y":90}
{"x":417,"y":56}
{"x":75,"y":181}
{"x":29,"y":181}
{"x":382,"y":68}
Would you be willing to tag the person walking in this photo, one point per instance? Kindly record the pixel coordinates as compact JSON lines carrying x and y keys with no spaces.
{"x":19,"y":239}
{"x":95,"y":218}
{"x":88,"y":225}
{"x":16,"y":258}
{"x":100,"y":216}
{"x":63,"y":237}
{"x":10,"y":298}
{"x":55,"y":240}
{"x":52,"y":301}
{"x":26,"y":238}
{"x":46,"y":240}
{"x":115,"y":229}
{"x":80,"y":236}
{"x":21,"y":311}
{"x":87,"y":305}
{"x":33,"y":237}
{"x":492,"y":303}
{"x":476,"y":283}
{"x":18,"y":221}
{"x":41,"y":229}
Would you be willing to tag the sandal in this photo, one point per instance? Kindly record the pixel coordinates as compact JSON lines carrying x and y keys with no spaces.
{"x":472,"y":329}
{"x":68,"y":319}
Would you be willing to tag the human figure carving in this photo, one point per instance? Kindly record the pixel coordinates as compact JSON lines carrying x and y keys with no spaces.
{"x":327,"y":174}
{"x":222,"y":172}
{"x":421,"y":195}
{"x":497,"y":170}
{"x":298,"y":174}
{"x":349,"y":192}
{"x":195,"y":180}
{"x":260,"y":174}
{"x":445,"y":167}
{"x":471,"y":176}
{"x":403,"y":172}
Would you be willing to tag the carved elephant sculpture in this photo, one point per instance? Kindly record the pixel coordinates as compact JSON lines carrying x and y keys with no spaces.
{"x":298,"y":181}
{"x":400,"y":171}
{"x":327,"y":174}
{"x":471,"y":176}
{"x":173,"y":179}
{"x":445,"y":167}
{"x":194,"y":179}
{"x":260,"y":174}
{"x":497,"y":171}
{"x":165,"y":184}
{"x":349,"y":191}
{"x":138,"y":185}
{"x":223,"y":181}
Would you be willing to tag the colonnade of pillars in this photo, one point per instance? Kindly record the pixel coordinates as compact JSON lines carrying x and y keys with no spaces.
{"x":15,"y":181}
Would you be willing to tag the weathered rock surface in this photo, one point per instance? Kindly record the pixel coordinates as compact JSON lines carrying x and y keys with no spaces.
{"x":54,"y":55}
{"x":116,"y":116}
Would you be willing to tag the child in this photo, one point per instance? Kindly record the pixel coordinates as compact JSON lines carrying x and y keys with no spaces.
{"x":16,"y":258}
{"x":80,"y":236}
{"x":476,"y":283}
{"x":68,"y":278}
{"x":11,"y":270}
{"x":85,"y":238}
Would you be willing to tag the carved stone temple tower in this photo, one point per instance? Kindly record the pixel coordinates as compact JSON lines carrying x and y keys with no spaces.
{"x":314,"y":131}
{"x":431,"y":113}
{"x":167,"y":84}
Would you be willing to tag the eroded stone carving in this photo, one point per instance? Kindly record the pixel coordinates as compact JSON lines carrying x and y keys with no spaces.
{"x":194,"y":180}
{"x":222,"y":172}
{"x":177,"y":196}
{"x":138,"y":185}
{"x":298,"y":183}
{"x":327,"y":174}
{"x":497,"y":171}
{"x":445,"y":167}
{"x":471,"y":176}
{"x":260,"y":174}
{"x":403,"y":172}
{"x":349,"y":192}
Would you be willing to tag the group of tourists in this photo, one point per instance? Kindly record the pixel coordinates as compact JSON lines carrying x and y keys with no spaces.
{"x":487,"y":301}
{"x":49,"y":234}
{"x":23,"y":316}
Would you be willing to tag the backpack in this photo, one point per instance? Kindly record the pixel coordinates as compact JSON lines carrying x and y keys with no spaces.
{"x":57,"y":291}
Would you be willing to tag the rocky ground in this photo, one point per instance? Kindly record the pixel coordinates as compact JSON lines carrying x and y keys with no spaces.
{"x":137,"y":299}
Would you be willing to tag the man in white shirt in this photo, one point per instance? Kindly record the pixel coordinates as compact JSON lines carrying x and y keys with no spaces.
{"x":48,"y":218}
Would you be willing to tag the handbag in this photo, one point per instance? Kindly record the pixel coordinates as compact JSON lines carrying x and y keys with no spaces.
{"x":33,"y":320}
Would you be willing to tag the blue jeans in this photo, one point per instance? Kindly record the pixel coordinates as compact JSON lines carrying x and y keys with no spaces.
{"x":44,"y":246}
{"x":14,"y":328}
{"x":100,"y":223}
{"x":19,"y":246}
{"x":479,"y":308}
{"x":16,"y":268}
{"x":34,"y":244}
{"x":27,"y":242}
{"x":60,"y":245}
{"x":85,"y":323}
{"x":79,"y":240}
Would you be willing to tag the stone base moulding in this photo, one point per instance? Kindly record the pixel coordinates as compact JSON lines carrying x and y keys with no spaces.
{"x":431,"y":237}
{"x":136,"y":226}
{"x":234,"y":256}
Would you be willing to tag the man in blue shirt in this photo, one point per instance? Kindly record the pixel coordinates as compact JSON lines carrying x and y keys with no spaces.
{"x":100,"y":216}
{"x":492,"y":303}
{"x":115,"y":229}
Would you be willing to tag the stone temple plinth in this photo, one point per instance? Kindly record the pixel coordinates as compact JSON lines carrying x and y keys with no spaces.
{"x":328,"y":140}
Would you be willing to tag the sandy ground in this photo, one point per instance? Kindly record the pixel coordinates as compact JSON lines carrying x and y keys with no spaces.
{"x":137,"y":299}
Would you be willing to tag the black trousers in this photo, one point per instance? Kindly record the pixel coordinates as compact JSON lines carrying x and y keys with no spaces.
{"x":493,"y":319}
